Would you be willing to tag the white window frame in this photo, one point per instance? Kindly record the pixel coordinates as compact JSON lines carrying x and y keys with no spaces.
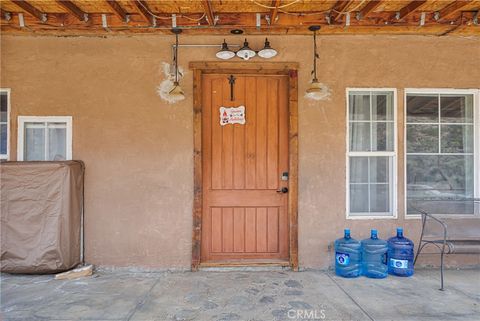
{"x":7,"y":156}
{"x":43,"y":119}
{"x":392,"y":154}
{"x":476,"y":139}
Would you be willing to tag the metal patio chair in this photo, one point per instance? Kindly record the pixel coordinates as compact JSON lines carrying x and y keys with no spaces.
{"x":449,"y":234}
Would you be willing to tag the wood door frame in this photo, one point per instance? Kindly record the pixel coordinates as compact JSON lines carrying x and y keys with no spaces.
{"x":268,"y":68}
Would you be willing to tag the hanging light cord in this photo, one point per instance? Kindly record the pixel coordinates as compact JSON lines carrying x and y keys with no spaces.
{"x":176,"y":58}
{"x":315,"y":55}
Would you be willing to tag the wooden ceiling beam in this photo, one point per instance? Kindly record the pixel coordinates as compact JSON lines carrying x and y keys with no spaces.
{"x":369,"y":7}
{"x":42,"y":16}
{"x":118,"y":10}
{"x":337,"y":9}
{"x":408,"y":9}
{"x":452,"y":9}
{"x":73,"y":9}
{"x":274,"y":11}
{"x":144,"y":11}
{"x":207,"y":7}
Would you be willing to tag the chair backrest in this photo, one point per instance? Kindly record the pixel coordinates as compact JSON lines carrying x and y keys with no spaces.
{"x":458,"y":229}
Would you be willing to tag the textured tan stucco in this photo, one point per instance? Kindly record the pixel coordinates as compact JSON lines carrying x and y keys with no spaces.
{"x":138,"y":150}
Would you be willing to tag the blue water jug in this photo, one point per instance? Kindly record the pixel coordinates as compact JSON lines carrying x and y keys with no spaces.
{"x":400,"y":255}
{"x":348,"y":256}
{"x":374,"y":257}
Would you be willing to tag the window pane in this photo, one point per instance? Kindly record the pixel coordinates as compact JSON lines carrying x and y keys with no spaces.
{"x":382,"y":136}
{"x":439,"y":176}
{"x":422,"y":108}
{"x":3,"y":107}
{"x":382,"y":106}
{"x":360,"y":136}
{"x":3,"y":139}
{"x":359,"y":106}
{"x":456,"y":109}
{"x":34,"y":141}
{"x":422,"y":138}
{"x":457,"y":139}
{"x":57,"y":143}
{"x":379,"y":198}
{"x":358,"y":169}
{"x":379,"y":169}
{"x":359,"y":198}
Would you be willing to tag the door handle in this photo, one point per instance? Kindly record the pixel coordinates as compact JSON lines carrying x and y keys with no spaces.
{"x":283,"y":190}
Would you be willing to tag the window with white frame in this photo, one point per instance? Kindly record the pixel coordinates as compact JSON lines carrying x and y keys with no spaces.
{"x":440,"y":148}
{"x":44,"y":138}
{"x":4,"y":123}
{"x":371,"y":153}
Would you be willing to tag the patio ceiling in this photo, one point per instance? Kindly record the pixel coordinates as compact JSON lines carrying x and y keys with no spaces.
{"x":83,"y":17}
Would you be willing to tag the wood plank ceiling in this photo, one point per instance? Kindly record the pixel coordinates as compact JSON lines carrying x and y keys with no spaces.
{"x":84,"y":17}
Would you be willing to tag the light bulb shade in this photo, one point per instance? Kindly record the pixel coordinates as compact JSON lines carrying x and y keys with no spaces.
{"x":314,"y":87}
{"x":267,"y":51}
{"x":246,"y":52}
{"x":176,"y":93}
{"x":317,"y":91}
{"x":225,"y":53}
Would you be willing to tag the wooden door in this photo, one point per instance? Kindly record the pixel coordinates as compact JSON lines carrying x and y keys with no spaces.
{"x":244,"y":216}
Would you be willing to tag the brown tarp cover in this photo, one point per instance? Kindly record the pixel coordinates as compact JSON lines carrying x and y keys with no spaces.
{"x":41,"y":214}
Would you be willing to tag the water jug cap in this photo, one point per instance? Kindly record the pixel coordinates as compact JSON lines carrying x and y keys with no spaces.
{"x":347,"y":232}
{"x":400,"y":230}
{"x":374,"y":233}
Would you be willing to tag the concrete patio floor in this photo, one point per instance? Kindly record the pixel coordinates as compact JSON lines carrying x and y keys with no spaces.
{"x":241,"y":295}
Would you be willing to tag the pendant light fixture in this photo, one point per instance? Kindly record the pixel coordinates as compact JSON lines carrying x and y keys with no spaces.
{"x":314,"y":86}
{"x":246,"y":52}
{"x":267,"y":51}
{"x":176,"y":93}
{"x":316,"y":90}
{"x":225,"y":53}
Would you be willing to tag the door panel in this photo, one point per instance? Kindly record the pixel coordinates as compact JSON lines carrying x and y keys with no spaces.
{"x":244,"y":217}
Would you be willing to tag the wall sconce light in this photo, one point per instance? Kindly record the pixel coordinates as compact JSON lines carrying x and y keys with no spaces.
{"x":246,"y":52}
{"x":225,"y":53}
{"x":267,"y":52}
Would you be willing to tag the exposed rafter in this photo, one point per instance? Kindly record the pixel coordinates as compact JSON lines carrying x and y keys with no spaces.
{"x":452,"y":9}
{"x":73,"y":9}
{"x":337,"y":9}
{"x":408,"y":9}
{"x":369,"y":7}
{"x":274,"y":11}
{"x":118,"y":10}
{"x":31,"y":10}
{"x":207,"y":7}
{"x":143,"y":9}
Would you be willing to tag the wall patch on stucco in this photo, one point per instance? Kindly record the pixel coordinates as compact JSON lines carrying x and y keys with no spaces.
{"x":163,"y":90}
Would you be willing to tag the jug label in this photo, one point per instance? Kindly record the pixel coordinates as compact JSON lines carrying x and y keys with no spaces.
{"x":342,"y":258}
{"x":399,"y":264}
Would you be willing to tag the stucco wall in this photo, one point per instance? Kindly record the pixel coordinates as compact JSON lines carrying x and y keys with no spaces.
{"x":138,"y":150}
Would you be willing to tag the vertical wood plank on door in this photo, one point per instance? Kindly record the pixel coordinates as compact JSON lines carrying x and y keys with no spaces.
{"x":261,"y":229}
{"x":227,"y":141}
{"x":227,"y":229}
{"x":239,"y":138}
{"x":250,"y":128}
{"x":239,"y":229}
{"x":261,"y":121}
{"x":272,"y":239}
{"x":272,"y":134}
{"x":216,"y":132}
{"x":216,"y":229}
{"x":250,"y":230}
